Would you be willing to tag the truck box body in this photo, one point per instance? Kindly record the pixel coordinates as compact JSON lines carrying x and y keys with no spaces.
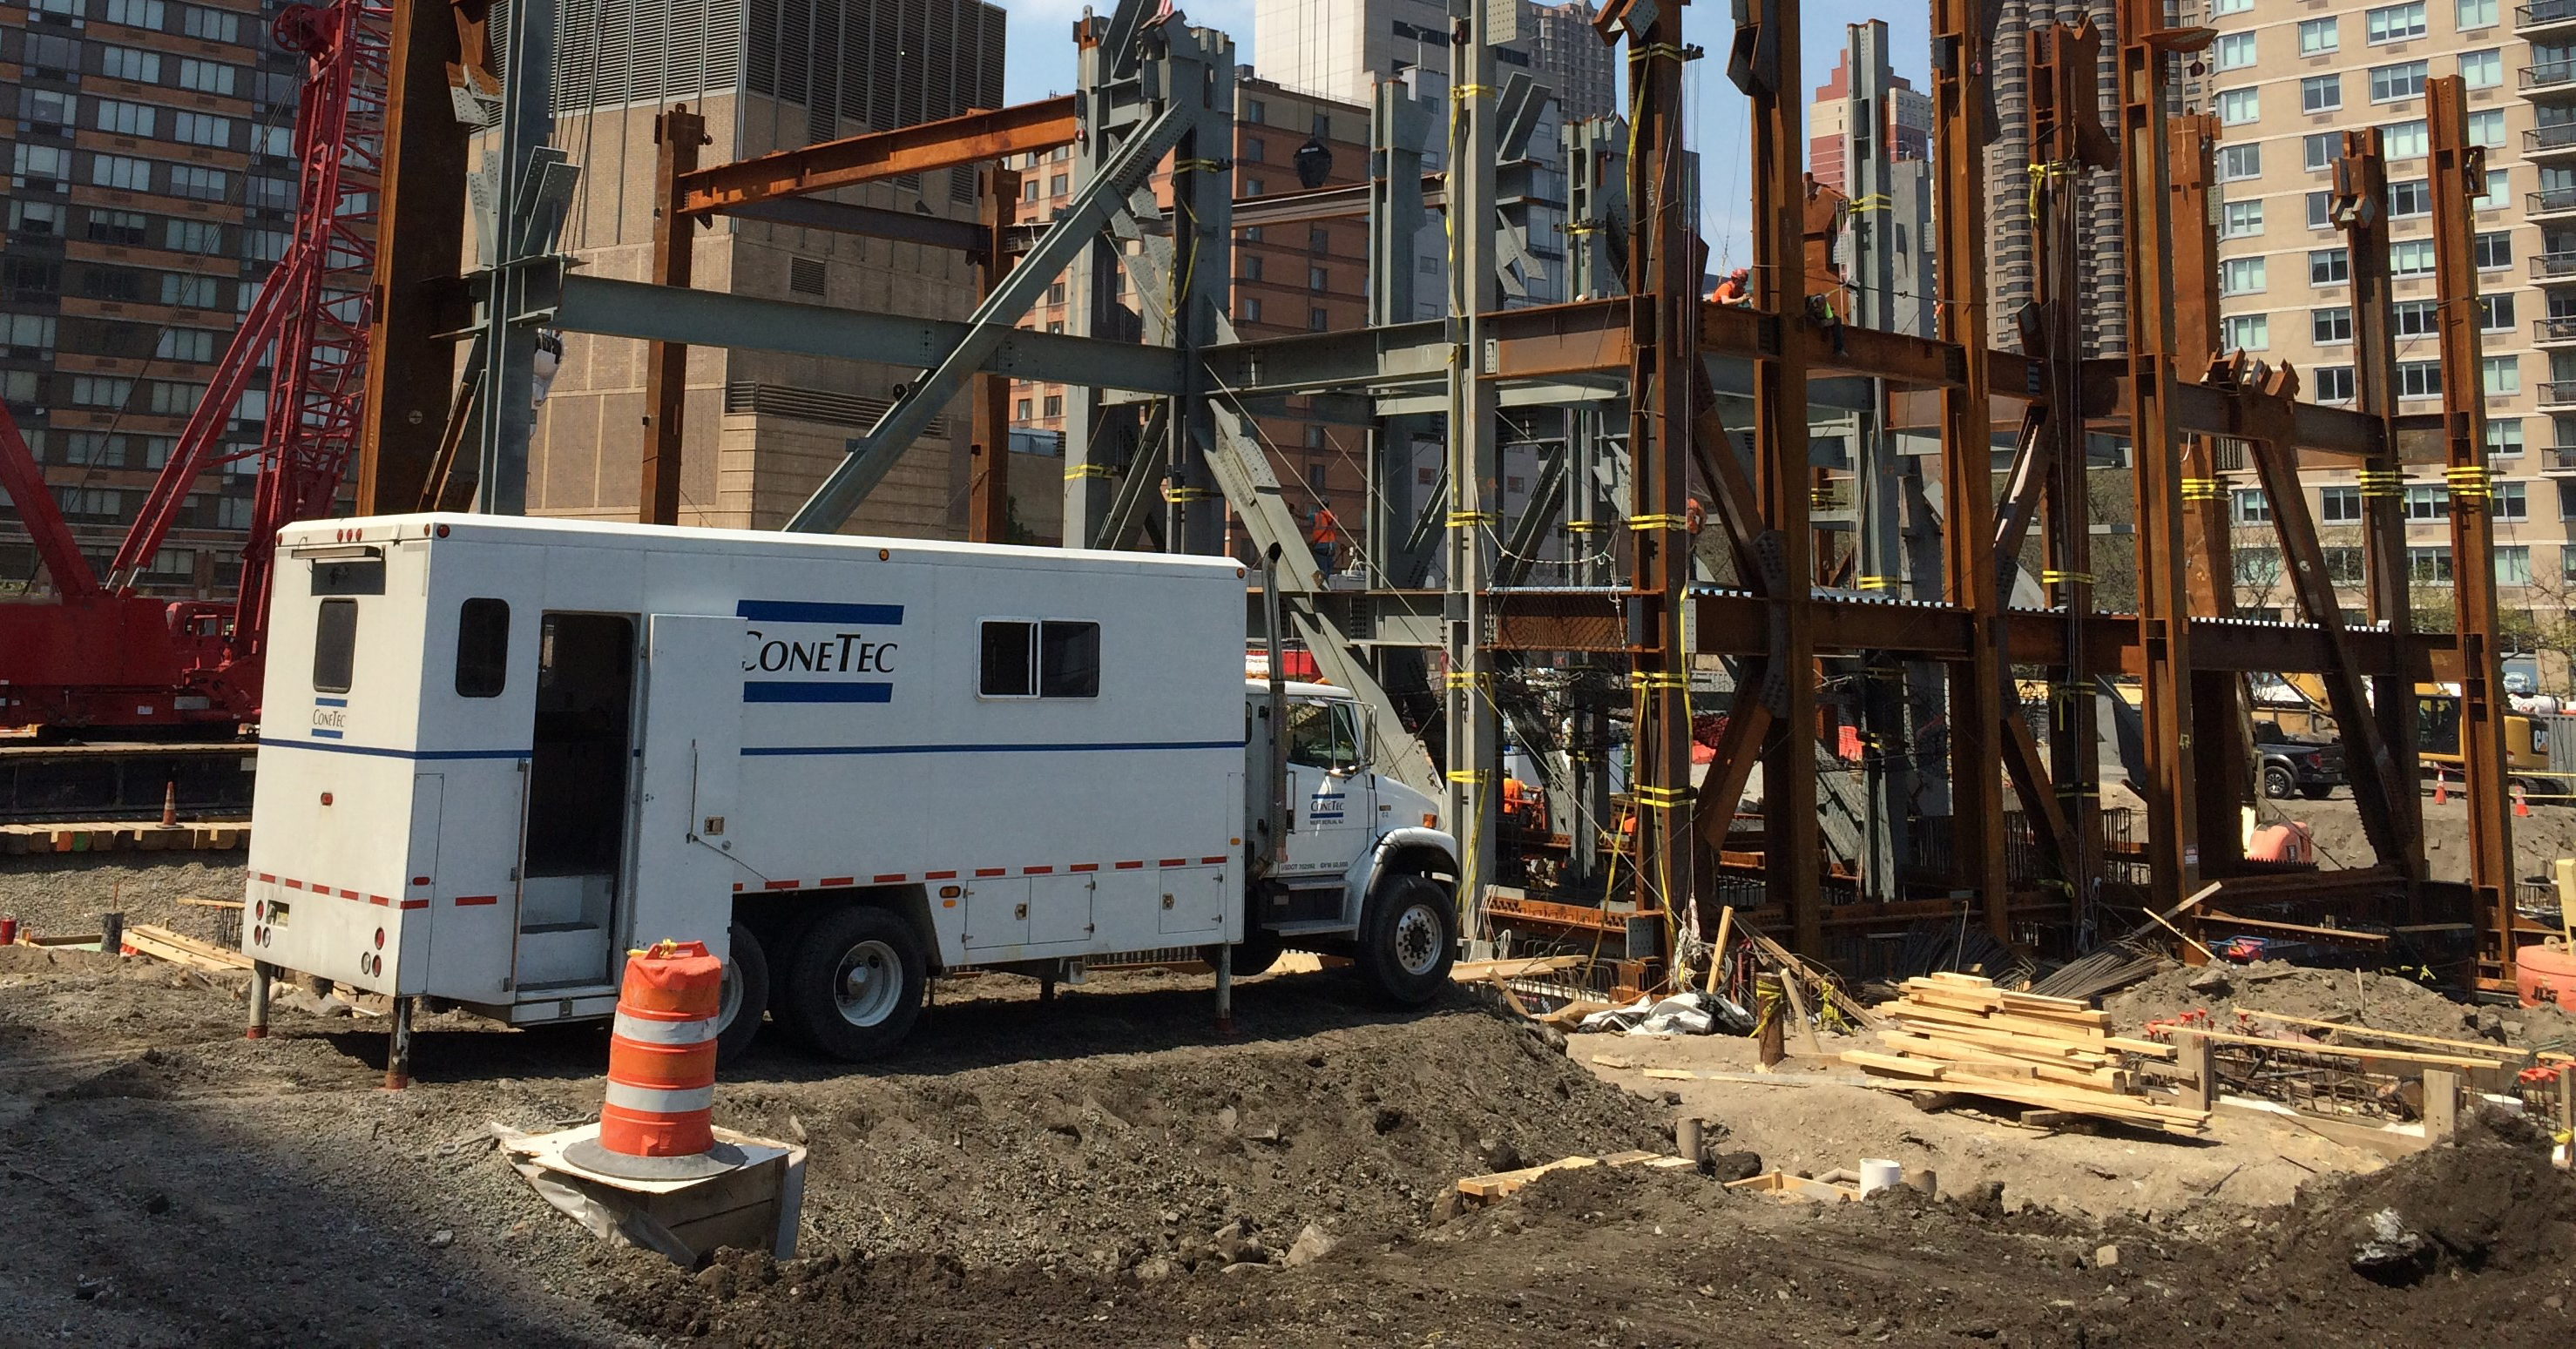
{"x":498,"y":752}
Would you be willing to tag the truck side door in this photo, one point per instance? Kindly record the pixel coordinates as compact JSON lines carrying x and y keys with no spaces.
{"x":1332,"y":804}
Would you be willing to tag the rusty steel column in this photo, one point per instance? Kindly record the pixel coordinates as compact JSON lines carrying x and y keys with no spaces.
{"x":2225,"y":762}
{"x":2064,"y":104}
{"x":1960,"y":45}
{"x":679,"y":132}
{"x":1791,"y":855}
{"x":2459,"y":174}
{"x":2360,"y":211}
{"x":988,"y":483}
{"x":2164,"y":618}
{"x":420,"y":249}
{"x":1664,"y":318}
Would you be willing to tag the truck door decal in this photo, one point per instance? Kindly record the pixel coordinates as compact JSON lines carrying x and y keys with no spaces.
{"x":818,"y":639}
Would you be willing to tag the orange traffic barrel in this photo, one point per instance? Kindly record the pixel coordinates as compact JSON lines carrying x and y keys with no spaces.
{"x":657,"y":1120}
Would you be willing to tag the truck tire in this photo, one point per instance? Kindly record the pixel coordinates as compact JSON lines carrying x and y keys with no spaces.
{"x":745,"y":996}
{"x":2319,"y":792}
{"x":1257,"y":952}
{"x":2278,"y":784}
{"x":1409,"y":938}
{"x":854,"y":982}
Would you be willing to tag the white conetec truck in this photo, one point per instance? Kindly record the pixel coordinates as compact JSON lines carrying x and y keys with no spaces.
{"x":497,"y":753}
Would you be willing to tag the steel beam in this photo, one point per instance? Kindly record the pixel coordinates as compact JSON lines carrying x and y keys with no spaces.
{"x":594,"y":304}
{"x":420,"y":245}
{"x":955,"y":142}
{"x":876,"y":222}
{"x":2459,"y":176}
{"x":679,"y":133}
{"x":988,"y":451}
{"x":1469,"y":712}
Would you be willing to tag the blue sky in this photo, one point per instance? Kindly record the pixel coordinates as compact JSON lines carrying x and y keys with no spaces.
{"x":1041,"y":63}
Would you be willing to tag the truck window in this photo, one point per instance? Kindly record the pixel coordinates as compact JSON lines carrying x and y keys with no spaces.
{"x":1320,"y":736}
{"x":335,"y":645}
{"x":1068,"y":659}
{"x":1049,"y":658}
{"x":482,"y":648}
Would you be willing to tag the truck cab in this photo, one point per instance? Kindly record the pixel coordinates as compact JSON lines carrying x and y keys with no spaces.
{"x":1361,"y":867}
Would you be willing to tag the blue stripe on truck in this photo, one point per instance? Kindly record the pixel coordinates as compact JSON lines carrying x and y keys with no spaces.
{"x":815,"y":691}
{"x":761,"y":751}
{"x":375,"y":752}
{"x":812,"y":611}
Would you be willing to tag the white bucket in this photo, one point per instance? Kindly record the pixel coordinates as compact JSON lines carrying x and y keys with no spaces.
{"x":1877,"y":1173}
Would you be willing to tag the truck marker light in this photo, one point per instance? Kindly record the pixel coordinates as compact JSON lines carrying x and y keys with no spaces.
{"x":1211,"y":861}
{"x":884,"y":555}
{"x":420,"y":880}
{"x":780,"y":885}
{"x":1176,"y":861}
{"x":412,"y":903}
{"x":1430,"y":821}
{"x":1084,"y":866}
{"x":442,"y":531}
{"x":1036,"y":871}
{"x":1129,"y":866}
{"x":326,"y":798}
{"x":380,"y":939}
{"x":939,"y":875}
{"x":951,"y":891}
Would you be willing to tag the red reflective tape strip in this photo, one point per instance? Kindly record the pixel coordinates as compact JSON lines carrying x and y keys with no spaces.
{"x":1036,"y":871}
{"x":890,"y":879}
{"x":352,"y":894}
{"x":1212,"y":861}
{"x":780,"y":885}
{"x":1176,"y":861}
{"x":1084,"y":866}
{"x":1129,"y":866}
{"x":737,"y":887}
{"x":266,"y":879}
{"x":412,"y":903}
{"x":292,"y":884}
{"x":468,"y":901}
{"x":939,"y":875}
{"x":838,"y":880}
{"x":378,"y":900}
{"x":990,"y":871}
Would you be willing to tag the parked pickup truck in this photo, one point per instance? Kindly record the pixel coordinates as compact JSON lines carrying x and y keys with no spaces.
{"x":2308,"y":768}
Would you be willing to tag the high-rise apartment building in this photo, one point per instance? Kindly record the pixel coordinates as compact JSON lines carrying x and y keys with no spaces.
{"x":1340,"y":49}
{"x":151,"y":185}
{"x":2285,"y":85}
{"x":2103,"y":300}
{"x":1568,"y":56}
{"x":761,"y":429}
{"x":1906,"y":121}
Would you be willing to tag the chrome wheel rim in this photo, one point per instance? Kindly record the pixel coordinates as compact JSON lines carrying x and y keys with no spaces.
{"x":868,"y":983}
{"x":1417,"y":939}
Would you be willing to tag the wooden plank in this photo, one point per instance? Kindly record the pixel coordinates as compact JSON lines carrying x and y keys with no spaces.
{"x":2402,"y":1037}
{"x":203,"y":953}
{"x":2388,"y":1143}
{"x":1500,"y":1183}
{"x":2073,"y":1034}
{"x":2364,"y":1052}
{"x":1798,"y":1009}
{"x":1472,"y":971}
{"x":1892,"y":1064}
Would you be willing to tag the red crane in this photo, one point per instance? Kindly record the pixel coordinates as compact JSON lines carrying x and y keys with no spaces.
{"x":102,"y":656}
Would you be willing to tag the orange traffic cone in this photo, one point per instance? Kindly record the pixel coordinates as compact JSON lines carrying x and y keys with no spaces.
{"x":656,"y":1122}
{"x":2521,"y":808}
{"x":170,"y":804}
{"x":2441,"y":786}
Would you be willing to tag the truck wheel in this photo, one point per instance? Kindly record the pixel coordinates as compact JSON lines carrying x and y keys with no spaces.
{"x":745,"y":997}
{"x":1257,"y":952}
{"x":854,"y":982}
{"x":1409,"y":939}
{"x":2278,"y":784}
{"x":2319,"y":792}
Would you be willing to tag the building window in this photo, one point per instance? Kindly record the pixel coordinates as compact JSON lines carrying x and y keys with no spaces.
{"x":1055,"y":405}
{"x":207,"y":77}
{"x":2482,"y":70}
{"x":1252,"y":187}
{"x":2320,"y":210}
{"x":2247,"y":332}
{"x":2419,"y":379}
{"x":2240,"y":276}
{"x":2238,"y":106}
{"x":1251,"y":266}
{"x":2217,"y":7}
{"x":2329,"y":266}
{"x":2333,"y":324}
{"x":2405,"y":140}
{"x":2239,"y":161}
{"x":1316,"y":320}
{"x":1029,"y":190}
{"x":2241,"y":220}
{"x":1027,"y":658}
{"x":1057,"y":184}
{"x":120,"y":284}
{"x":172,"y":399}
{"x":2495,"y":315}
{"x":2402,"y":80}
{"x":125,"y":63}
{"x":44,"y":167}
{"x":1252,"y":309}
{"x":185,"y":344}
{"x":1318,"y":240}
{"x":2428,"y":502}
{"x":203,"y":184}
{"x":2513,"y":501}
{"x":197,"y":128}
{"x":2236,"y":51}
{"x":2415,"y":318}
{"x":2318,"y":151}
{"x":2412,"y":197}
{"x":36,"y":219}
{"x":93,"y":391}
{"x":2513,"y":562}
{"x":1055,"y":293}
{"x":191,"y":236}
{"x":1252,"y":151}
{"x":2317,"y":93}
{"x":2334,"y":383}
{"x":2339,"y":505}
{"x":26,"y":334}
{"x":2504,"y":438}
{"x":2318,"y":36}
{"x":2502,"y":375}
{"x":2395,"y":23}
{"x":120,"y":118}
{"x":2250,"y":506}
{"x":29,"y":278}
{"x":807,"y":276}
{"x":2477,"y":14}
{"x":2486,"y":127}
{"x":2411,"y":257}
{"x":122,"y":172}
{"x":135,"y":13}
{"x":1315,"y":279}
{"x":1022,"y":410}
{"x":2258,"y":566}
{"x":1256,"y":111}
{"x":2567,"y":511}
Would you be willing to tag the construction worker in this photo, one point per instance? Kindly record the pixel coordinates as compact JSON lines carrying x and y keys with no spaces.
{"x":1734,"y":289}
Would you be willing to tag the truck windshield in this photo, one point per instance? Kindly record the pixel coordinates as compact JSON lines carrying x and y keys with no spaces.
{"x":1323,"y":735}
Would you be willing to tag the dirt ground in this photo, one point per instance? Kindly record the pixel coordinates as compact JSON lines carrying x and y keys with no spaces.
{"x":1105,"y":1171}
{"x":2335,"y":824}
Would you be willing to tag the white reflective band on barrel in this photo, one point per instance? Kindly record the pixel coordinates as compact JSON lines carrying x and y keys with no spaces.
{"x":657,"y":1101}
{"x":645,"y":1032}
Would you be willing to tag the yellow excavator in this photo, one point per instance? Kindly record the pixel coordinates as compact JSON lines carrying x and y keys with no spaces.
{"x":2296,"y":703}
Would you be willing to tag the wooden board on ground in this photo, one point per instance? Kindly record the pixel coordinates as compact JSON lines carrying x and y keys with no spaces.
{"x":2480,"y":1047}
{"x":1500,"y":1183}
{"x":2048,"y":1055}
{"x":1476,"y":971}
{"x":1789,"y":1189}
{"x":161,"y":943}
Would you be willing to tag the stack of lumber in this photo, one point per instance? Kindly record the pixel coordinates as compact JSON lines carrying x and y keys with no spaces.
{"x":1960,"y":1033}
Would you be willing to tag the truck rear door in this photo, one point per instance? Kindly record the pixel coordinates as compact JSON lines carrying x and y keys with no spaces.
{"x":685,"y":829}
